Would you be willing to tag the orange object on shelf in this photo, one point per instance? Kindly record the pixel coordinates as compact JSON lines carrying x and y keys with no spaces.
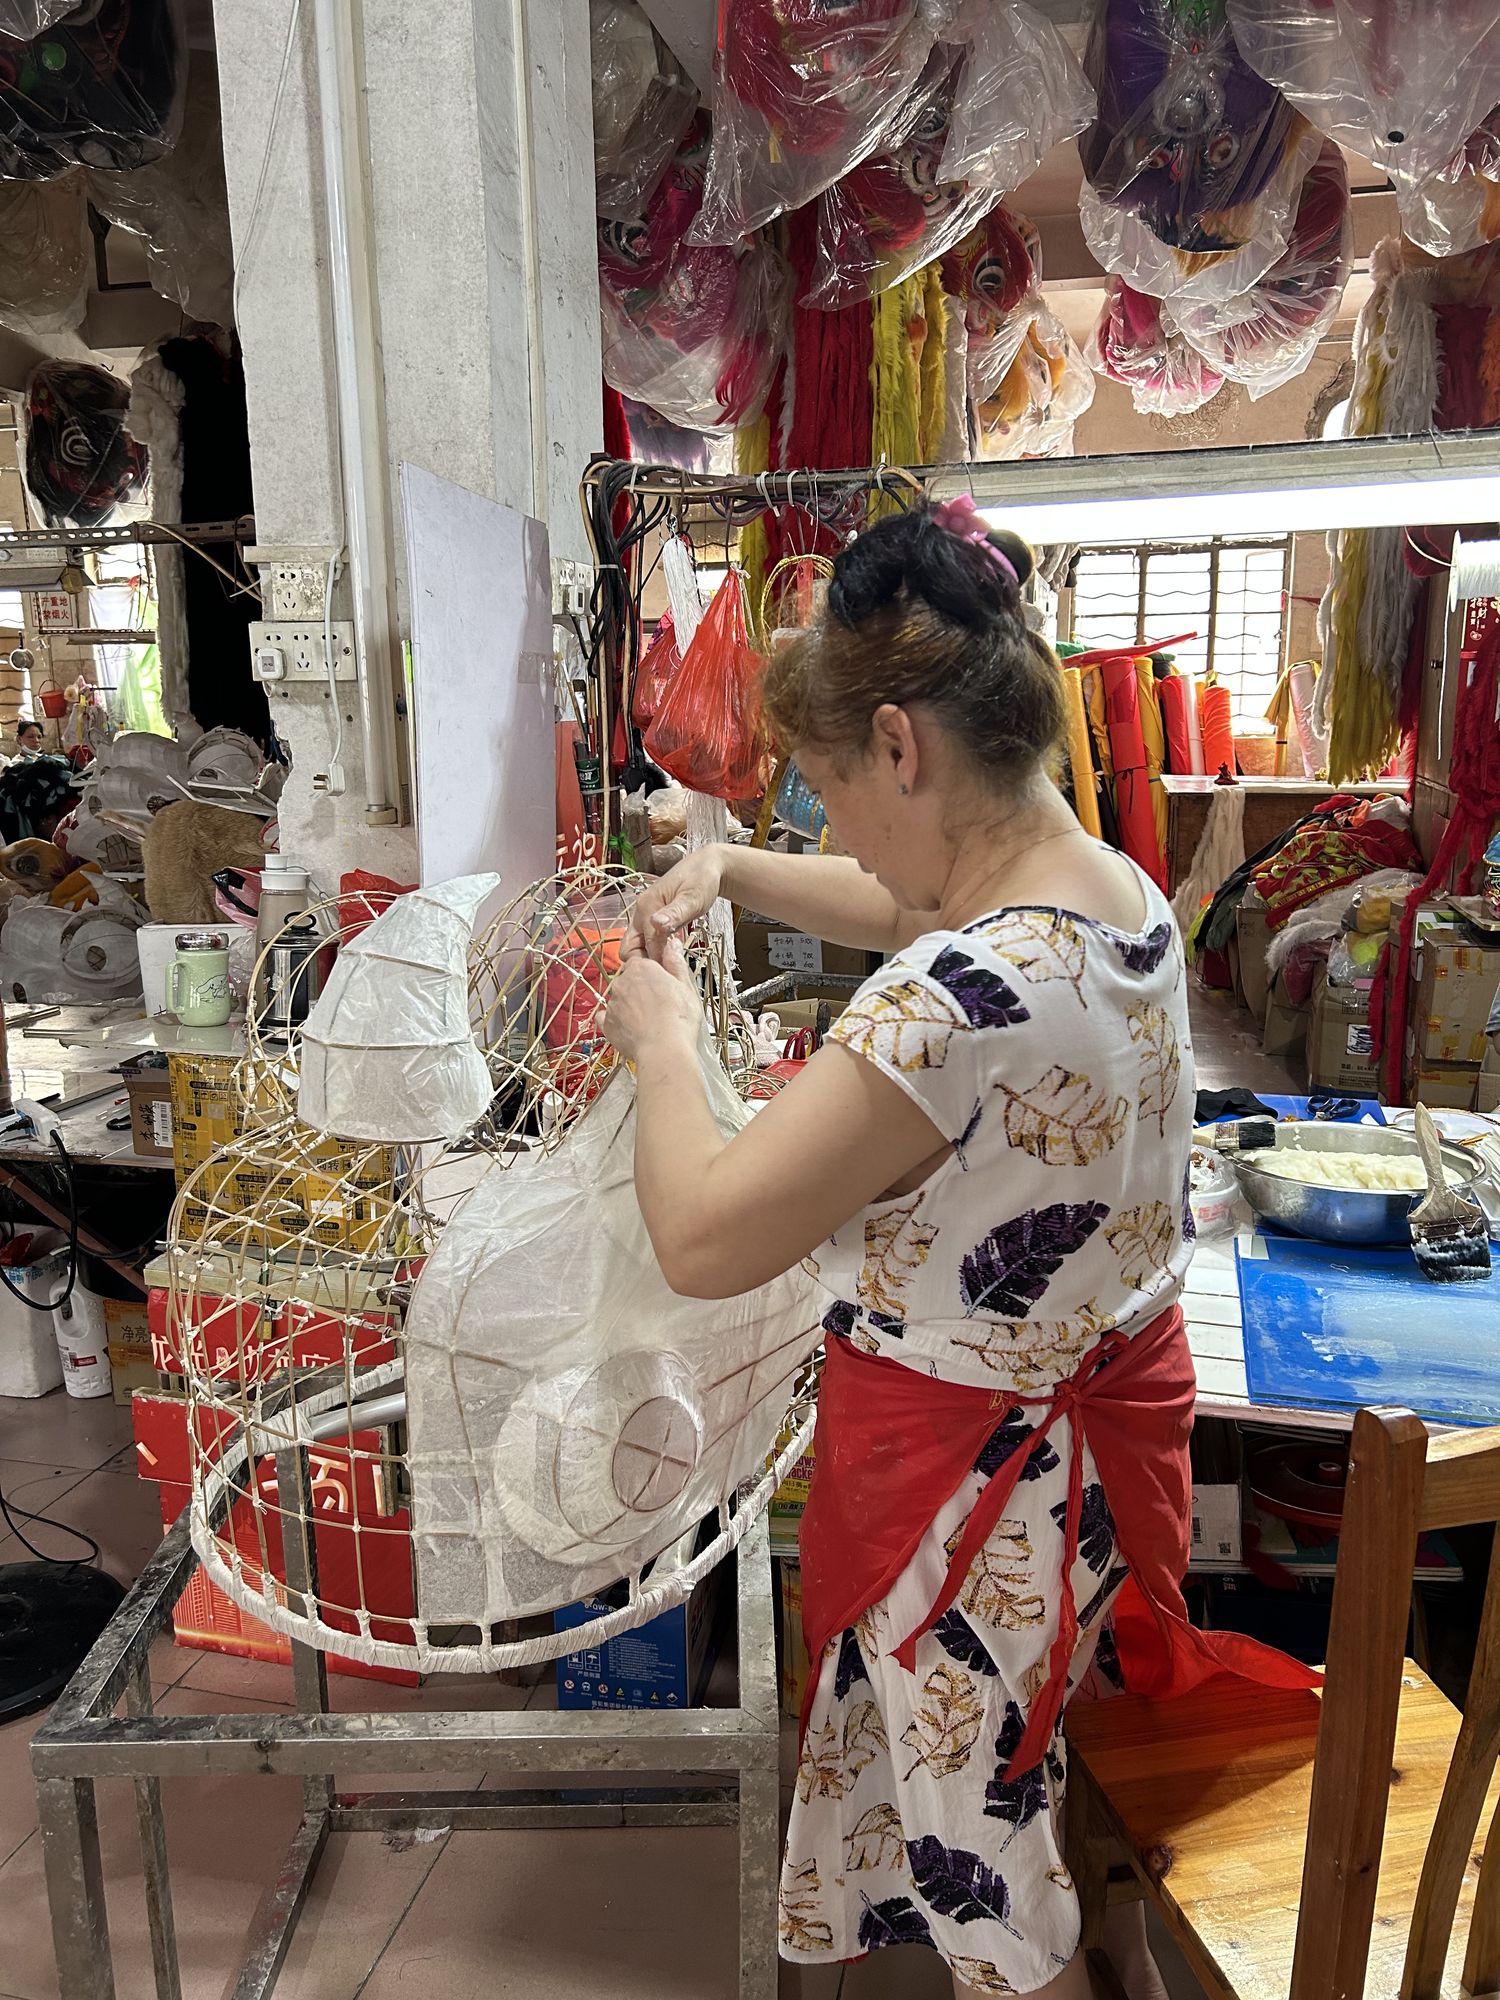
{"x":1218,"y":729}
{"x":1133,"y":805}
{"x":1175,"y":693}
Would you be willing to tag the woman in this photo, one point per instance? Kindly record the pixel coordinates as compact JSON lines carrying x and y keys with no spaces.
{"x":985,"y":1166}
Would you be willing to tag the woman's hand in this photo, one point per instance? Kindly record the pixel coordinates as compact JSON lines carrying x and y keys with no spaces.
{"x":669,"y":905}
{"x":652,"y":1001}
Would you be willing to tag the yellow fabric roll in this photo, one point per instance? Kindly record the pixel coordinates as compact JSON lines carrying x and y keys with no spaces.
{"x":1098,"y":715}
{"x":1154,"y":735}
{"x":1080,"y":756}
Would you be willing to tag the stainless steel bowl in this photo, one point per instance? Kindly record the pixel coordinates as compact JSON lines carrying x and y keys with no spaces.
{"x":1346,"y":1215}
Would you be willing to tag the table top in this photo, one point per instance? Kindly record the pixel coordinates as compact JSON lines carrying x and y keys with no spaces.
{"x":1183,"y":784}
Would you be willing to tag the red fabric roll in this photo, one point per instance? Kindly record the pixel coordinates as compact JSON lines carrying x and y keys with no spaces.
{"x":1137,"y":816}
{"x":1174,"y":694}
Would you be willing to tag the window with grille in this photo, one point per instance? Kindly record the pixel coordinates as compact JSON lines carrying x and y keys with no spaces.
{"x":1232,"y":595}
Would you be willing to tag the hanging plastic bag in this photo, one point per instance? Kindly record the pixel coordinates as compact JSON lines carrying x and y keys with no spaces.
{"x":1194,"y":163}
{"x":706,"y":732}
{"x":1045,"y":391}
{"x":81,"y":462}
{"x":101,"y":87}
{"x":44,"y":272}
{"x":643,"y":104}
{"x":804,"y":91}
{"x":1458,"y":209}
{"x":1020,"y":92}
{"x":655,"y":671}
{"x":23,"y":20}
{"x":1270,"y":335}
{"x":696,"y":332}
{"x":179,"y":206}
{"x":994,"y":274}
{"x":1132,"y":345}
{"x":1405,"y":85}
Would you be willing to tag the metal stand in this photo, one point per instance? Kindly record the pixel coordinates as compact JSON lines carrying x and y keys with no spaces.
{"x":83,"y":1740}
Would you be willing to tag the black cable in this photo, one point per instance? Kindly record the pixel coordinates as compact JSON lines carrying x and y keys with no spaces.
{"x":9,"y":1514}
{"x":52,"y":1304}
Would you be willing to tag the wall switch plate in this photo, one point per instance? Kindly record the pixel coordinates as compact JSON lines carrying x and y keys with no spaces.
{"x":300,"y":652}
{"x":572,"y":588}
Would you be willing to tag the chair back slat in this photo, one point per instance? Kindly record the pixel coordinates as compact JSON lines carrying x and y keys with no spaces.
{"x":1482,"y":1961}
{"x":1361,"y":1700}
{"x":1463,"y":1479}
{"x":1457,"y":1823}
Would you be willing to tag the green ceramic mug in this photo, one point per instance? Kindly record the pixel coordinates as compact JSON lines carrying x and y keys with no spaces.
{"x":198,"y":981}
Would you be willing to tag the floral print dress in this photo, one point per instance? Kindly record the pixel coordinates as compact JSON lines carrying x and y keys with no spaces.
{"x":1053,"y":1052}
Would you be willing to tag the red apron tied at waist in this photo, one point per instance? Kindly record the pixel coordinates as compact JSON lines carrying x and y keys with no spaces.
{"x":893,"y":1446}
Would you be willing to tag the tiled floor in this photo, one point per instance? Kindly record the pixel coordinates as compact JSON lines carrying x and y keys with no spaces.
{"x":645,"y":1915}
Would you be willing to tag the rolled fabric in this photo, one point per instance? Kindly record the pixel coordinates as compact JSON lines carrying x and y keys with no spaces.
{"x":1218,"y":729}
{"x":1195,"y":726}
{"x":1153,"y":734}
{"x":1302,"y":681}
{"x":1174,"y":696}
{"x":1080,"y":753}
{"x":1132,"y":781}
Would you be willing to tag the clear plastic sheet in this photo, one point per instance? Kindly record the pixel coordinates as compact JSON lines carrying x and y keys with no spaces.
{"x":1132,"y":345}
{"x":1045,"y":391}
{"x":695,"y":330}
{"x":44,"y":268}
{"x":179,"y":205}
{"x":803,"y":91}
{"x":1457,"y":209}
{"x":388,"y":1053}
{"x":643,"y":104}
{"x":1021,"y":92}
{"x":101,"y":88}
{"x":992,"y":275}
{"x":614,"y":1414}
{"x":23,"y":20}
{"x":1269,"y":336}
{"x":1402,"y":81}
{"x":81,"y":462}
{"x":898,"y":210}
{"x":1194,"y":162}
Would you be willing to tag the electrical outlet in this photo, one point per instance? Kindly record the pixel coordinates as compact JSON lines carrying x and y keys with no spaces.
{"x":287,"y":653}
{"x":572,"y":588}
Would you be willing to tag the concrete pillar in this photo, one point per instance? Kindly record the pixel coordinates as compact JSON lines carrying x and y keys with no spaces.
{"x":481,"y":193}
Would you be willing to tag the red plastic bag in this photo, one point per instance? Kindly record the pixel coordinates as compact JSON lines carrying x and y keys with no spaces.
{"x":655,"y":672}
{"x":706,"y":732}
{"x":362,"y":897}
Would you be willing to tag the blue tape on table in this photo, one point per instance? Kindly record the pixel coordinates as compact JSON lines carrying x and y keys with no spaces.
{"x":1327,"y":1328}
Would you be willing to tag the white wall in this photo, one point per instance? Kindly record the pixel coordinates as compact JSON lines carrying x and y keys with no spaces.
{"x":450,"y":170}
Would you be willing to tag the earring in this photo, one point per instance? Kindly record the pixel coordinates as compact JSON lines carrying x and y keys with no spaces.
{"x":905,"y":790}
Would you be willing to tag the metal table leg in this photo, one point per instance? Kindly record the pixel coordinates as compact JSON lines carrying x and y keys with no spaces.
{"x":75,"y":1888}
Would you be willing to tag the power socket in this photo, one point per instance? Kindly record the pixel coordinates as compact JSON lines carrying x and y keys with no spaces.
{"x":286,"y":653}
{"x":572,"y":587}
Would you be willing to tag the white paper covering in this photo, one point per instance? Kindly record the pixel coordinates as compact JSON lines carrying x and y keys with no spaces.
{"x":388,"y":1054}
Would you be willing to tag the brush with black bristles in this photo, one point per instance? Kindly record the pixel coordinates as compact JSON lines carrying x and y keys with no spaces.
{"x":1449,"y":1236}
{"x":1238,"y":1135}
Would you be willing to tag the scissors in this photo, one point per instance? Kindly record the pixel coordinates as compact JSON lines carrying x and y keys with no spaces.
{"x":1323,"y":1105}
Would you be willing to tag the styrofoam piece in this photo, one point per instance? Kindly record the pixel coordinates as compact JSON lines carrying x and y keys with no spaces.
{"x":388,"y":1053}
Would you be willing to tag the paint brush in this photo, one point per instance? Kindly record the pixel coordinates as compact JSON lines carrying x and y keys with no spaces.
{"x":1449,"y":1237}
{"x":1238,"y":1135}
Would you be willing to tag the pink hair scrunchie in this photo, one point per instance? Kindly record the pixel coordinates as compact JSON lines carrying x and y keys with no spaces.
{"x":961,"y":517}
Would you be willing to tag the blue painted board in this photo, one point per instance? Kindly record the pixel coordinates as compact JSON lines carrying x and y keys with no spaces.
{"x":1327,"y":1328}
{"x":1369,"y":1112}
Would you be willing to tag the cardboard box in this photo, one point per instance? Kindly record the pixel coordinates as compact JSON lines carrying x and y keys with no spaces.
{"x":128,"y":1334}
{"x":795,"y":1665}
{"x":1217,"y":1516}
{"x":1285,"y":1032}
{"x":150,"y":1094}
{"x":1455,"y":987}
{"x":1443,"y":1086}
{"x":787,"y":1505}
{"x":1253,"y":935}
{"x":765,"y":949}
{"x":663,"y":1664}
{"x":1340,"y":1051}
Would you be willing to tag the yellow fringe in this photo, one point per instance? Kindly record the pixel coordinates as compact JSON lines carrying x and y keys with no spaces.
{"x":1362,"y":713}
{"x":933,"y":364}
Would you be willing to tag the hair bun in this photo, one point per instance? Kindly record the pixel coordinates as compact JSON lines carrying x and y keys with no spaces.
{"x":1020,"y":555}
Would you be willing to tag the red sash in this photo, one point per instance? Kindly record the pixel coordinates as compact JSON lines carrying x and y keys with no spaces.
{"x":893,"y":1446}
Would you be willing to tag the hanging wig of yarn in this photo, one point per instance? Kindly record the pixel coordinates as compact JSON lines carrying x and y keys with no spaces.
{"x":99,"y":87}
{"x":1269,"y":335}
{"x":1133,"y":345}
{"x":643,"y":105}
{"x":81,"y":462}
{"x":1194,"y":162}
{"x":803,"y":91}
{"x":696,"y":331}
{"x":500,"y":1406}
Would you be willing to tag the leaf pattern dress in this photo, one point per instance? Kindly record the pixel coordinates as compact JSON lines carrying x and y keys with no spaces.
{"x":1054,"y":1053}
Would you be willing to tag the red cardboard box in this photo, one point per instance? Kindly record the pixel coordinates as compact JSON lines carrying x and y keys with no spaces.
{"x":231,"y":1342}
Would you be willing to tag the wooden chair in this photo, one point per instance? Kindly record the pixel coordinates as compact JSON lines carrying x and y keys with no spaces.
{"x":1319,"y":1846}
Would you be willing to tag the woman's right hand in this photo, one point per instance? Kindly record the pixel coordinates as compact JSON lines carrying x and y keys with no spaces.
{"x":666,"y":907}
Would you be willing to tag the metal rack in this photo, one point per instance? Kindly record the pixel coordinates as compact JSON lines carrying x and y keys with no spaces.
{"x":84,"y":1740}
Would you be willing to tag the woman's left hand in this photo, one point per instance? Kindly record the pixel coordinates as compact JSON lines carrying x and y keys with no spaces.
{"x":650,"y":998}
